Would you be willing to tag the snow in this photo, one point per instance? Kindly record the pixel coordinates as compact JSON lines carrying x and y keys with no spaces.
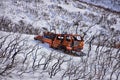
{"x":29,"y":42}
{"x":111,"y":4}
{"x":70,"y":8}
{"x":46,"y":51}
{"x":25,"y":11}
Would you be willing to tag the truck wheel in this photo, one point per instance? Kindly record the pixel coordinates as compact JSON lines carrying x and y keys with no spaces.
{"x":70,"y":51}
{"x":64,"y":49}
{"x":50,"y":46}
{"x":35,"y":38}
{"x":42,"y":41}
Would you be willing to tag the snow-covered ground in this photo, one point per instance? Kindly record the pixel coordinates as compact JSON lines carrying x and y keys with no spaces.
{"x":46,"y":12}
{"x":111,"y":4}
{"x":36,"y":61}
{"x":59,"y":66}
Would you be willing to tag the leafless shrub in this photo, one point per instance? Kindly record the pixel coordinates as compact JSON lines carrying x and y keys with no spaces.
{"x":15,"y":55}
{"x":8,"y":26}
{"x":56,"y":67}
{"x":9,"y":50}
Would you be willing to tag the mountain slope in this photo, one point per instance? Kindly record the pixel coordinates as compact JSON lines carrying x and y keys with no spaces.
{"x":23,"y":58}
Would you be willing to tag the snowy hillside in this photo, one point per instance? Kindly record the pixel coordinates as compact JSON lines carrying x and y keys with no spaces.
{"x":110,"y":4}
{"x":21,"y":57}
{"x":63,"y":16}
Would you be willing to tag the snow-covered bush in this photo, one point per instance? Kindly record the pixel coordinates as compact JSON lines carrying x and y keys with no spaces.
{"x":8,"y":26}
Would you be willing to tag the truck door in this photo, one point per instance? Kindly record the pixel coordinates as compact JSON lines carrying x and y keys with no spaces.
{"x":57,"y":41}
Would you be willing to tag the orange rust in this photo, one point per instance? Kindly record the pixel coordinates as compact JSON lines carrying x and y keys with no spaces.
{"x":68,"y":42}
